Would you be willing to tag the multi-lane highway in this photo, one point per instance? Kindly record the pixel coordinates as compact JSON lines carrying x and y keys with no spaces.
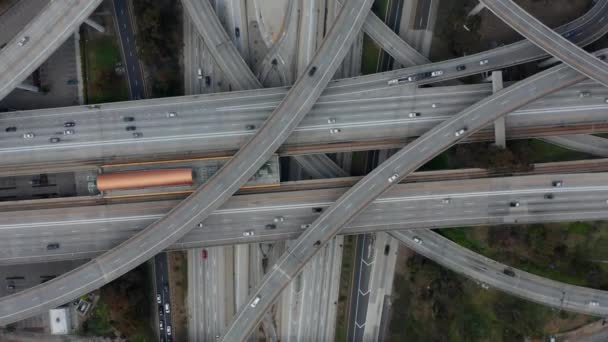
{"x":551,"y":41}
{"x":220,"y":45}
{"x":401,"y":164}
{"x":39,"y":39}
{"x":212,"y":194}
{"x":101,"y":141}
{"x":522,"y":284}
{"x":128,"y":49}
{"x":211,"y":124}
{"x":85,"y":231}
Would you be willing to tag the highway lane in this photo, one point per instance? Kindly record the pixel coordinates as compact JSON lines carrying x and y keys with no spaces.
{"x":129,"y":52}
{"x":524,"y":285}
{"x":585,"y":143}
{"x":380,"y":179}
{"x":588,"y":28}
{"x":547,"y":39}
{"x":218,"y":123}
{"x":208,"y":197}
{"x":45,"y":33}
{"x":220,"y":45}
{"x":86,"y":231}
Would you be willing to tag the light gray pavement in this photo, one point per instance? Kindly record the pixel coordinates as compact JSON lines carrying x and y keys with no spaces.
{"x":401,"y":164}
{"x":523,"y":284}
{"x":16,"y":15}
{"x":85,"y":231}
{"x":585,"y":143}
{"x":46,"y":32}
{"x":207,"y":198}
{"x":59,"y":75}
{"x":380,"y":285}
{"x":217,"y":123}
{"x":226,"y":55}
{"x":551,"y":41}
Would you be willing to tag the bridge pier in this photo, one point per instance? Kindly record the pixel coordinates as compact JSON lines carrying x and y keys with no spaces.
{"x":499,"y":124}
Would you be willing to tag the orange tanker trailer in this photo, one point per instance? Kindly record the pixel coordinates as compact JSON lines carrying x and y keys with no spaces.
{"x":143,"y":179}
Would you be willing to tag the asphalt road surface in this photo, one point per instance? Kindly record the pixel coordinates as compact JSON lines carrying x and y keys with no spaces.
{"x":401,"y":164}
{"x":212,"y":194}
{"x":129,"y":51}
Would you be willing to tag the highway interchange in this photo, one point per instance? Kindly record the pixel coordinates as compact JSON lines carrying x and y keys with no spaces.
{"x":297,"y":102}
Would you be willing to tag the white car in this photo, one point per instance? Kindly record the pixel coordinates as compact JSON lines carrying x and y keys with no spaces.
{"x":417,"y":240}
{"x":557,"y":184}
{"x":483,"y":62}
{"x":436,"y":73}
{"x":335,"y":131}
{"x":23,"y":41}
{"x":393,"y":82}
{"x":460,"y":132}
{"x":158,"y":300}
{"x":393,"y":178}
{"x":514,"y":204}
{"x":29,"y":135}
{"x":169,"y":330}
{"x":68,"y":132}
{"x":248,"y":233}
{"x":279,"y":219}
{"x":413,"y":114}
{"x":593,"y":303}
{"x":446,"y":201}
{"x":255,"y":302}
{"x":199,"y":74}
{"x":171,"y":114}
{"x":167,"y":310}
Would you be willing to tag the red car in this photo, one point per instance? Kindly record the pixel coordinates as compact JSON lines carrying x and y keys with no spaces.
{"x":204,"y":254}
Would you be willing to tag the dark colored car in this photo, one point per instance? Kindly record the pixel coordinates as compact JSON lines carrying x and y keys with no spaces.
{"x":250,"y":127}
{"x":312,"y":71}
{"x":204,"y":254}
{"x":128,"y":119}
{"x":509,"y":272}
{"x":387,"y":249}
{"x":548,"y":196}
{"x":54,"y":140}
{"x":69,"y":124}
{"x":52,"y":246}
{"x":207,"y":80}
{"x":131,"y":128}
{"x":461,"y":67}
{"x":11,"y":129}
{"x":237,"y":32}
{"x":317,"y":244}
{"x":317,"y":210}
{"x":271,"y":226}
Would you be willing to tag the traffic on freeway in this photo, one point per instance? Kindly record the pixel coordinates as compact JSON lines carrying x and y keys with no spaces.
{"x":212,"y":194}
{"x":397,"y":167}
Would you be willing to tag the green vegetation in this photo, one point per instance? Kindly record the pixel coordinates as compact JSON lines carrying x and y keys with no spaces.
{"x":159,"y":41}
{"x":123,"y":308}
{"x":567,"y":252}
{"x":346,"y":277}
{"x":103,"y":84}
{"x":370,"y":57}
{"x":98,"y":323}
{"x":435,"y":304}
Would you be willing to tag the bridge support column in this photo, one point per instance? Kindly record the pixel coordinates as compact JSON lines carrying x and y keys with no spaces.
{"x":499,"y":124}
{"x":94,"y":25}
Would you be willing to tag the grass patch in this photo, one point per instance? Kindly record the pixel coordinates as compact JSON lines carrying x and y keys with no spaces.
{"x":370,"y":56}
{"x":435,"y":304}
{"x":461,"y":237}
{"x":103,"y":83}
{"x":346,"y":275}
{"x":123,"y":309}
{"x":98,"y":323}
